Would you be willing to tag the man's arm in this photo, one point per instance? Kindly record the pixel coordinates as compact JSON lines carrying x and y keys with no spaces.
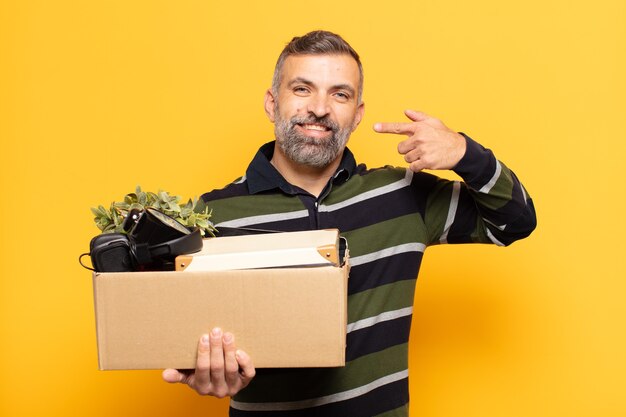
{"x":221,"y":369}
{"x":490,"y":206}
{"x":504,"y":209}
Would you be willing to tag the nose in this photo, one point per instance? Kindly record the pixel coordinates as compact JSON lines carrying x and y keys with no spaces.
{"x":318,"y":105}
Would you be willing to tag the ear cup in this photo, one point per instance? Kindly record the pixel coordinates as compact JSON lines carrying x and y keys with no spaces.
{"x":112,"y":256}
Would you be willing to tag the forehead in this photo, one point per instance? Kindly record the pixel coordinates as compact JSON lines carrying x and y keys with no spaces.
{"x":322,"y":70}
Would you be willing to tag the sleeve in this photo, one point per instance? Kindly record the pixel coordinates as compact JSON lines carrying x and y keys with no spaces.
{"x":490,"y":205}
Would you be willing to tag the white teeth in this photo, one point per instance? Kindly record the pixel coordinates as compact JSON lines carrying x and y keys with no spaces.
{"x":314,"y":127}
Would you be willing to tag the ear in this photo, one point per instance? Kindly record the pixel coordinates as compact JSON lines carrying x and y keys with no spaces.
{"x":270,"y":103}
{"x":360,"y":111}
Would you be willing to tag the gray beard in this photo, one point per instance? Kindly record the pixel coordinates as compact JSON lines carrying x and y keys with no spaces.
{"x":304,"y":150}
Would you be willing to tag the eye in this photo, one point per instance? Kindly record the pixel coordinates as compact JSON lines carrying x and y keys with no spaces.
{"x":300,"y":90}
{"x":342,"y":96}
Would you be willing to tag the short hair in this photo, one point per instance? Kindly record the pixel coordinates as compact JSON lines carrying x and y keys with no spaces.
{"x":318,"y":42}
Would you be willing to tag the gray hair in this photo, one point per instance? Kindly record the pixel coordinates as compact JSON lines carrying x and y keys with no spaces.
{"x":318,"y":42}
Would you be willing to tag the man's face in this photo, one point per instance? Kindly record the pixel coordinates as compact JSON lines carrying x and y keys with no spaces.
{"x":316,"y":108}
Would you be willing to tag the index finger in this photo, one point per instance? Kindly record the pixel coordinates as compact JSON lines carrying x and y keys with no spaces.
{"x":395,"y":128}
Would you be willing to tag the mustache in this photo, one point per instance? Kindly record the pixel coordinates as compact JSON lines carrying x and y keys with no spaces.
{"x":312,"y":119}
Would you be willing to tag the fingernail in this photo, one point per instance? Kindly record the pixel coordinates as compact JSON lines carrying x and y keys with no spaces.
{"x":205,"y":339}
{"x":228,"y":338}
{"x":217,"y":332}
{"x":240,"y":354}
{"x":376,"y":126}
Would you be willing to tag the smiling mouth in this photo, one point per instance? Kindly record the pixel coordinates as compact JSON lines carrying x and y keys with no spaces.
{"x":316,"y":127}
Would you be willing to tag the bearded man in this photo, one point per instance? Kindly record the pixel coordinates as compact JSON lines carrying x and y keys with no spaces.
{"x":307,"y":179}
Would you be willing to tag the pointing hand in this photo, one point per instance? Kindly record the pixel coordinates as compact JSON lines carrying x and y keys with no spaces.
{"x":430,"y":143}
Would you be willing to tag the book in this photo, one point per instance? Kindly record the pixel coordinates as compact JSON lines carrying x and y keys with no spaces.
{"x":269,"y":250}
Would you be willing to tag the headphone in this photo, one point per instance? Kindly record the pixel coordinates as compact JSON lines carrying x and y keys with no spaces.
{"x":152,"y":242}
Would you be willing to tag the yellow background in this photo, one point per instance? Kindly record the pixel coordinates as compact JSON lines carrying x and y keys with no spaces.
{"x":99,"y":96}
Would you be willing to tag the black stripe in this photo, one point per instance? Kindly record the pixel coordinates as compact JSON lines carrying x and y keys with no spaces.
{"x":380,"y":400}
{"x":291,"y":225}
{"x":464,"y":220}
{"x":372,"y":211}
{"x":231,"y":190}
{"x":477,"y":166}
{"x":518,"y":229}
{"x":421,"y":187}
{"x":378,"y":337}
{"x":386,"y":270}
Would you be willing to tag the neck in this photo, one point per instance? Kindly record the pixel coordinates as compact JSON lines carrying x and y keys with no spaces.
{"x":311,"y":179}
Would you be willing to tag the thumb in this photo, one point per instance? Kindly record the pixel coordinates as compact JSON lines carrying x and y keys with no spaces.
{"x":416,"y":116}
{"x":172,"y":376}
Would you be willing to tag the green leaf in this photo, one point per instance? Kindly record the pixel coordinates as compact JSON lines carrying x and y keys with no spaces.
{"x":136,"y":206}
{"x":122,"y":205}
{"x":130,"y":198}
{"x":151,"y":197}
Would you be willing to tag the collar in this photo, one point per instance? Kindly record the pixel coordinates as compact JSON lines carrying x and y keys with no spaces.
{"x":263,"y":176}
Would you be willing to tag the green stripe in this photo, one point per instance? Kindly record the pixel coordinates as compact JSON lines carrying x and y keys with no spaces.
{"x":276,"y":385}
{"x":500,"y":194}
{"x":358,"y":184}
{"x":479,"y":234}
{"x":254,"y":205}
{"x":406,"y":229}
{"x":380,"y":299}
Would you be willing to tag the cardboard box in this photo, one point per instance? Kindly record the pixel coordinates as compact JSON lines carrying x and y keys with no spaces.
{"x":282,"y":317}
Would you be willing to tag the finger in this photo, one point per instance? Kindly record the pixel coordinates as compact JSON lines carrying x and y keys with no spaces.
{"x":417,"y":166}
{"x":396,"y":128}
{"x":173,"y":376}
{"x":416,"y":116}
{"x":203,"y":362}
{"x":246,"y":366}
{"x":409,"y":145}
{"x":412,"y":156}
{"x":217,"y":361}
{"x":231,"y":367}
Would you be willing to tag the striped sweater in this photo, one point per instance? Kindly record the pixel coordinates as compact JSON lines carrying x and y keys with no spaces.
{"x":389,"y":216}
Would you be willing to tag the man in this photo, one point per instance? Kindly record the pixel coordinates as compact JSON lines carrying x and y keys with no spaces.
{"x":308,"y":179}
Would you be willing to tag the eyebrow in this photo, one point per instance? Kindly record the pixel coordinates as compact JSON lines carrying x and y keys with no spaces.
{"x":300,"y":80}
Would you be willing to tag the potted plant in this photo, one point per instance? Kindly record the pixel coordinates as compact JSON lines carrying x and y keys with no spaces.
{"x":194,"y":213}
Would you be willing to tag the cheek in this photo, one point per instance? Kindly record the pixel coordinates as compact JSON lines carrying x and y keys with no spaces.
{"x":349,"y":119}
{"x":291,"y":104}
{"x":290,"y":111}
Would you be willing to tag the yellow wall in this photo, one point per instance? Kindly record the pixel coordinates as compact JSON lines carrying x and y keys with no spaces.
{"x":98,"y":96}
